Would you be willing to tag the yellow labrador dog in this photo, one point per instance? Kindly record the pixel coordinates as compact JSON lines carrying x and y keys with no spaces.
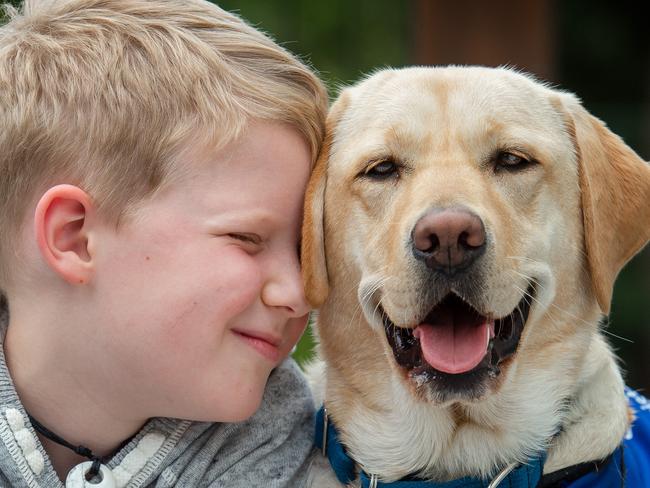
{"x":464,"y":228}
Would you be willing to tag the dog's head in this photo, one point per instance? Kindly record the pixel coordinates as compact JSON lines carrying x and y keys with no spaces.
{"x":450,"y":211}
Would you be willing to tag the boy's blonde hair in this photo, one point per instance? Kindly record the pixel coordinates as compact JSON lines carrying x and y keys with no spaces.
{"x":104,"y":93}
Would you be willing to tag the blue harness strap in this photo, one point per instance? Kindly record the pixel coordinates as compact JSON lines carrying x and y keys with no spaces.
{"x":523,"y":476}
{"x":342,"y":464}
{"x":628,"y":466}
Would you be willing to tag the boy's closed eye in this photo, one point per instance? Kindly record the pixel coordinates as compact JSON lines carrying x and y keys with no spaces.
{"x":248,"y":238}
{"x":250,"y":242}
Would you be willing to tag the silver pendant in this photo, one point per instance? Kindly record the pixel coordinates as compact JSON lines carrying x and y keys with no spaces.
{"x":77,"y":477}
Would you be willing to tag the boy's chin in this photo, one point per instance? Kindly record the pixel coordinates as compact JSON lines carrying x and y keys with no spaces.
{"x":236,"y":412}
{"x":231,"y":400}
{"x":245,"y":411}
{"x":230,"y":407}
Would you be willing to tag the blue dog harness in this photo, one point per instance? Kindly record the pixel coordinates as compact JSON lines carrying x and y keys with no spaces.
{"x":628,"y":466}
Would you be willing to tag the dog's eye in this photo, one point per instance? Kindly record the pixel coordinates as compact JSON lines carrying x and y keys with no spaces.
{"x":510,"y":161}
{"x":383,"y":169}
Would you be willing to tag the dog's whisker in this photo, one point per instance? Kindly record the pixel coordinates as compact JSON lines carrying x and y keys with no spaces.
{"x":609,"y":333}
{"x":379,"y":301}
{"x":367,"y":296}
{"x":524,"y":258}
{"x":527,"y":277}
{"x":521,"y":313}
{"x":364,"y":299}
{"x":569,"y":314}
{"x":340,"y":304}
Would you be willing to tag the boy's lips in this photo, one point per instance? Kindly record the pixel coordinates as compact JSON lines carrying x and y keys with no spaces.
{"x":268,"y":345}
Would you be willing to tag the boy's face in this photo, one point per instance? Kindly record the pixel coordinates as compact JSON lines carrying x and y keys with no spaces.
{"x":201,"y":292}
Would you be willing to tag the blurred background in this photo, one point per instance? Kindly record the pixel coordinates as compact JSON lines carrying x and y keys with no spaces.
{"x":597,"y":49}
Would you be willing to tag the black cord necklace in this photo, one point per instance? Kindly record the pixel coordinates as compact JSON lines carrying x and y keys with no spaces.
{"x":97,"y":472}
{"x":81,"y":450}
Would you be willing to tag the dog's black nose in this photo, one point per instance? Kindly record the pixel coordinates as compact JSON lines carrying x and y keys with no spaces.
{"x":449,"y":240}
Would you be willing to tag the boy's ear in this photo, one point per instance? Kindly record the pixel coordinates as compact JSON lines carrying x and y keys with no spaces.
{"x":615,"y":194}
{"x":61,"y":226}
{"x":313,"y":260}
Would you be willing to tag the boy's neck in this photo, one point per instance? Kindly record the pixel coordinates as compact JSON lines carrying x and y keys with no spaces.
{"x":43,"y":378}
{"x":62,"y":458}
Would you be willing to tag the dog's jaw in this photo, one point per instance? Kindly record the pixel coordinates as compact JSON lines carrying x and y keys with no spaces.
{"x":406,"y":436}
{"x":429,"y":382}
{"x":492,"y":341}
{"x":402,"y":434}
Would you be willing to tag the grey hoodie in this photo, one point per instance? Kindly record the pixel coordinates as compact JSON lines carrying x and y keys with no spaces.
{"x":269,"y":450}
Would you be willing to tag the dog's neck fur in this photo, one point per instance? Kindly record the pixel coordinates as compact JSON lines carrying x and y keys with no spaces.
{"x":581,"y":398}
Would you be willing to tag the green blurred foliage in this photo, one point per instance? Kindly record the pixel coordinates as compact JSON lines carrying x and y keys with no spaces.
{"x":306,"y":347}
{"x":344,"y":40}
{"x":15,"y":3}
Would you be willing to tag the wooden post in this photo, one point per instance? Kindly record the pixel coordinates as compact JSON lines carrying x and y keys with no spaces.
{"x":499,"y":32}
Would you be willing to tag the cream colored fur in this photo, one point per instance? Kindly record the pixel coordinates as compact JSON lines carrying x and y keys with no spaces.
{"x":569,"y":225}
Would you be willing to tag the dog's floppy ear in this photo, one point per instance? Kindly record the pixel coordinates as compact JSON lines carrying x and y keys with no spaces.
{"x":314,"y":264}
{"x":615,"y":194}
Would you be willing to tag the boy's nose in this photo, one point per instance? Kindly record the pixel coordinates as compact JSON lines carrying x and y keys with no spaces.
{"x":284,"y":289}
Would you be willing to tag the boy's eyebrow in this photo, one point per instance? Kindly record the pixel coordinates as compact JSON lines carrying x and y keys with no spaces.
{"x":243,"y":216}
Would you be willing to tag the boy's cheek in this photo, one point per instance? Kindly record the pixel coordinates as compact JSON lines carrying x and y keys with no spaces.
{"x":295,"y":328}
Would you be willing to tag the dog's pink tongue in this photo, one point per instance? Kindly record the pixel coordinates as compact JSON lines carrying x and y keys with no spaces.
{"x":454,"y":346}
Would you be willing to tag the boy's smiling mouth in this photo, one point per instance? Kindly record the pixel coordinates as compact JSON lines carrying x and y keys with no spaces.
{"x":267,"y":345}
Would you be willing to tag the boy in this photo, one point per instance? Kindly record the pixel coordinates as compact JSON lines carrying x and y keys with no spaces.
{"x":153,"y":160}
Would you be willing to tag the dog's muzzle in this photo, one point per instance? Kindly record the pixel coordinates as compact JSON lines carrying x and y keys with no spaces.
{"x":455,"y":348}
